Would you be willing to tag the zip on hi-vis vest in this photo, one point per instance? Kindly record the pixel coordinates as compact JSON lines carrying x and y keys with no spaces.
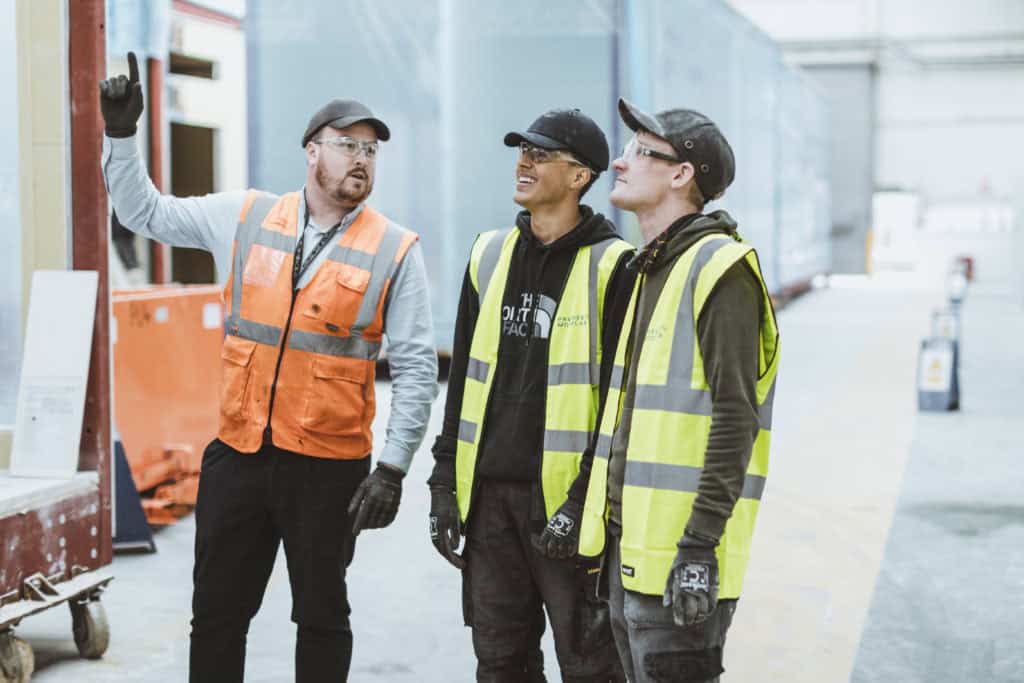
{"x":299,"y":267}
{"x":268,"y":431}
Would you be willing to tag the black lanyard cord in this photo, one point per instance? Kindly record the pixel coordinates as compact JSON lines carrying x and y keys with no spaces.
{"x":300,"y":266}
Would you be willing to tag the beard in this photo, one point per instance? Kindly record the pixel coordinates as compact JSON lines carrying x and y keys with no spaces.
{"x":336,"y":189}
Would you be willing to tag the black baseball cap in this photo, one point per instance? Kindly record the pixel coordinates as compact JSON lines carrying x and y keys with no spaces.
{"x":695,"y":138}
{"x":341,"y":114}
{"x":570,"y":130}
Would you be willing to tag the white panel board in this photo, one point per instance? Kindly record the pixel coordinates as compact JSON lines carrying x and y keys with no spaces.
{"x":54,"y":371}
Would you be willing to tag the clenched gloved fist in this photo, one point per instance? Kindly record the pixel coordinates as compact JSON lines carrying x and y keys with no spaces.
{"x":561,"y":536}
{"x":692,"y":586}
{"x":121,"y":101}
{"x":445,"y":526}
{"x":375,"y":502}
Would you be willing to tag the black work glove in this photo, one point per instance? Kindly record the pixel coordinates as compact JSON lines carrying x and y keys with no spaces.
{"x":445,"y":526}
{"x":375,"y":502}
{"x":692,"y":586}
{"x":561,"y":537}
{"x":121,"y":101}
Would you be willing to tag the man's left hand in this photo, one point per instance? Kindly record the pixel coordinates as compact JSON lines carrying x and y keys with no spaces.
{"x":561,"y":536}
{"x":692,"y":586}
{"x":375,"y":502}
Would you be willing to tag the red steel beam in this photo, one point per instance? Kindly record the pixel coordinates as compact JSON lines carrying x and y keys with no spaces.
{"x":155,"y":108}
{"x":195,"y":10}
{"x":90,"y":230}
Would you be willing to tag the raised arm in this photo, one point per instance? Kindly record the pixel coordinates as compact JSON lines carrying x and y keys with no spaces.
{"x":200,"y":222}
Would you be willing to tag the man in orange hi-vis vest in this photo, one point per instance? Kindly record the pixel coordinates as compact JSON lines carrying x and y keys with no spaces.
{"x":314,"y":280}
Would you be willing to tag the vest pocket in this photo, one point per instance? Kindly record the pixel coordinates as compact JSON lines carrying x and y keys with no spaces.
{"x":335,"y":403}
{"x":236,"y":359}
{"x":334,"y":300}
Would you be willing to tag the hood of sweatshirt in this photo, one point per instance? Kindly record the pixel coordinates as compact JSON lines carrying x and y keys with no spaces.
{"x":682,"y":234}
{"x":592,"y":228}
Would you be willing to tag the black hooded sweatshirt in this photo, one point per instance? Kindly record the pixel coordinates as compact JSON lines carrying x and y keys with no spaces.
{"x":512,"y":440}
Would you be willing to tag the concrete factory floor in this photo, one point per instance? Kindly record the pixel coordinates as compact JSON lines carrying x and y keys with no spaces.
{"x":888,"y":548}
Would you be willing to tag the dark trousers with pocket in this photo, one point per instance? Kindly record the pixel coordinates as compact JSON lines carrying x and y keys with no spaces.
{"x":248,"y":505}
{"x":653,"y":648}
{"x":506,"y":586}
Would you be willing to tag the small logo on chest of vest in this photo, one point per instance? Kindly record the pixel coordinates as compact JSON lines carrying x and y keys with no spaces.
{"x":628,"y":571}
{"x":566,"y":321}
{"x":656,"y":332}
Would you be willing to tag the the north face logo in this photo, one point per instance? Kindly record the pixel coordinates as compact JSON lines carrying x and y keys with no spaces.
{"x":515,"y":320}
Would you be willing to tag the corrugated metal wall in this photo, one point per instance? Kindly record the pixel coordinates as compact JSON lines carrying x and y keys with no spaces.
{"x":452,"y":78}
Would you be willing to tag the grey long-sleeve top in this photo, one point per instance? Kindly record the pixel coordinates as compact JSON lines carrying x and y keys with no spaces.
{"x":210,"y":222}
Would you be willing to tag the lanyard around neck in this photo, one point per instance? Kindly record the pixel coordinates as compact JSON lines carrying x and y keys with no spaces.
{"x":300,"y":266}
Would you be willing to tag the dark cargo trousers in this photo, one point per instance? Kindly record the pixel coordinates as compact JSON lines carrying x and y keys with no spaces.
{"x":506,"y":586}
{"x":652,"y":647}
{"x":248,"y":504}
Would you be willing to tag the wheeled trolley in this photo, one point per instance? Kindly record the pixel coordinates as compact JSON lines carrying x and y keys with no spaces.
{"x":52,"y":555}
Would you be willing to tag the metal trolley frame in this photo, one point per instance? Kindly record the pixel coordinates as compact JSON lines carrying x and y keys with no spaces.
{"x":55,"y":538}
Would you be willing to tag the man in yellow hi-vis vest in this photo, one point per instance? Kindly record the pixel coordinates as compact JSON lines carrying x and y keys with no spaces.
{"x":681,"y":453}
{"x":522,"y":407}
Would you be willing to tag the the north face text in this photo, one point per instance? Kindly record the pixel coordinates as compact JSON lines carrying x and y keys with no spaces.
{"x":516,"y":320}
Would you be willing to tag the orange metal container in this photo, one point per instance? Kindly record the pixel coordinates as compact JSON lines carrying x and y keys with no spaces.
{"x":166,"y":343}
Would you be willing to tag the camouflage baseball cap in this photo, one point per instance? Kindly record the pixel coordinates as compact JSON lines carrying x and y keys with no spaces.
{"x":695,"y":138}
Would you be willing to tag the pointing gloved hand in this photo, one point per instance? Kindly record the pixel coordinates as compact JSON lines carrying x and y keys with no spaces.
{"x":445,"y":527}
{"x":121,"y":101}
{"x":561,"y":536}
{"x":692,"y":586}
{"x":375,"y":502}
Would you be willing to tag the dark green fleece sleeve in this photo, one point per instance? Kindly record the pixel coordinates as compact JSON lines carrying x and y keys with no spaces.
{"x":728,"y":332}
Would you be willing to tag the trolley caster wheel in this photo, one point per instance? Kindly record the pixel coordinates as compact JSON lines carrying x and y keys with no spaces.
{"x":89,"y":625}
{"x":16,"y":659}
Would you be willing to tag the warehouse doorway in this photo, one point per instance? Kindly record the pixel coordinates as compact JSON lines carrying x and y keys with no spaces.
{"x":192,"y":171}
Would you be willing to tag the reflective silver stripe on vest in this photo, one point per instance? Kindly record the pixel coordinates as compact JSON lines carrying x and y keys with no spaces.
{"x":253,"y":331}
{"x":353,"y":257}
{"x":331,"y":345}
{"x":569,"y":373}
{"x":566,"y":440}
{"x":489,"y":261}
{"x":467,"y":431}
{"x":616,"y":380}
{"x":275,"y":240}
{"x":666,"y":476}
{"x":246,"y":235}
{"x":596,"y":254}
{"x":477,"y":369}
{"x":675,"y":395}
{"x":753,"y":486}
{"x":383,"y":268}
{"x":764,"y":411}
{"x":604,"y":446}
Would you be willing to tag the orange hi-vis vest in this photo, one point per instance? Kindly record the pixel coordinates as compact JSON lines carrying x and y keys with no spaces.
{"x":304,"y":361}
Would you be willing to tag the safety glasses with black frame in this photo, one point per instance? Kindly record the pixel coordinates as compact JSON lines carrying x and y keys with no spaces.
{"x":539,"y":155}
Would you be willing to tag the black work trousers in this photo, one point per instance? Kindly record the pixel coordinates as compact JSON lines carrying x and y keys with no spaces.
{"x":248,"y":504}
{"x":506,"y":586}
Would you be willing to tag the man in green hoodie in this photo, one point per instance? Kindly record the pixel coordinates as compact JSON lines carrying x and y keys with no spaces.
{"x":682,"y":450}
{"x":529,"y":354}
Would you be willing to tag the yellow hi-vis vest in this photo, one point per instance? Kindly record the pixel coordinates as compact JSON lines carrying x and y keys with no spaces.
{"x":574,"y":358}
{"x":670,"y":425}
